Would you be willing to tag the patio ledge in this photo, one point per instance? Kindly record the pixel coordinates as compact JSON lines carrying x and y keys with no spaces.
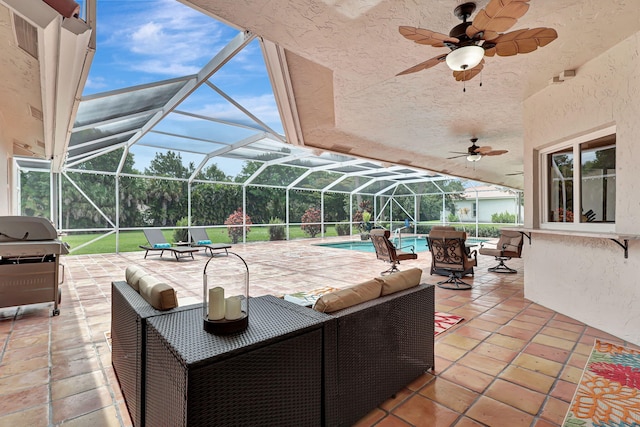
{"x":621,"y":240}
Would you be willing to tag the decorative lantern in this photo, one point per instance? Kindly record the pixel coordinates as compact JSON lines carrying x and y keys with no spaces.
{"x":225,"y":294}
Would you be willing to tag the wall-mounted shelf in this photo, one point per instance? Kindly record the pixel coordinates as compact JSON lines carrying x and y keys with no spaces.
{"x":621,"y":240}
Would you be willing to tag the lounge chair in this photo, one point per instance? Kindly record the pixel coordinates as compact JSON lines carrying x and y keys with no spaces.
{"x":157,"y":242}
{"x":200,"y":239}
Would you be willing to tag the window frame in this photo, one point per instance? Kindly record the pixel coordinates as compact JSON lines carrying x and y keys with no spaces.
{"x":575,"y":145}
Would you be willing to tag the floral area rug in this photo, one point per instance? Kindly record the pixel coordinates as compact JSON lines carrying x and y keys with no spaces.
{"x":608,"y":394}
{"x":445,"y":320}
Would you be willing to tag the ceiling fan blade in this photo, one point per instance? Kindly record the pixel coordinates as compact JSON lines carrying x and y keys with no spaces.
{"x":514,"y":173}
{"x":496,"y":17}
{"x":523,"y":41}
{"x":483,"y":149}
{"x":468,"y":74}
{"x":424,"y":65}
{"x":428,"y":37}
{"x":495,"y":152}
{"x":456,"y":157}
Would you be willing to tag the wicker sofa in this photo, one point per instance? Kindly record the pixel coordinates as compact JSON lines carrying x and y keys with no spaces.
{"x":370,"y":351}
{"x":380,"y":346}
{"x":129,"y":315}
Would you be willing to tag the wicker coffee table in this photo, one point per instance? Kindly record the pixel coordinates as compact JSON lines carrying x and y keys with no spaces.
{"x":270,"y":374}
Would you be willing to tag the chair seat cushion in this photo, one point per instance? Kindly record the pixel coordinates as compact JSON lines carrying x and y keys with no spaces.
{"x":403,"y":256}
{"x":161,"y":245}
{"x":490,"y":251}
{"x":204,"y":242}
{"x":334,"y":301}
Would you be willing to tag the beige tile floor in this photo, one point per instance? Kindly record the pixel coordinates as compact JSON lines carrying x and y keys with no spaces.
{"x":509,"y":363}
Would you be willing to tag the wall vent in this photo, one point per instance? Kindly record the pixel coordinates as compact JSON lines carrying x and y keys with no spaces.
{"x":26,"y":35}
{"x":22,"y":149}
{"x":35,"y":113}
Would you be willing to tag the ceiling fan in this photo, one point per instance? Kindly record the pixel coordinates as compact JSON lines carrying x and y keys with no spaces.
{"x":475,"y":153}
{"x":470,"y":42}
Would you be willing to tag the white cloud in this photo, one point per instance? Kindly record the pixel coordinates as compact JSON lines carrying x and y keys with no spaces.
{"x":163,"y":37}
{"x":96,"y":83}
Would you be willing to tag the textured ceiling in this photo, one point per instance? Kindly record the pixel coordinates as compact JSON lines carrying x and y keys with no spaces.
{"x":343,"y":57}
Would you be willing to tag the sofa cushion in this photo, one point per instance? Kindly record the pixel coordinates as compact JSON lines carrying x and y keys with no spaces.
{"x":401,"y":280}
{"x":132,"y":274}
{"x":348,"y":297}
{"x":158,"y":294}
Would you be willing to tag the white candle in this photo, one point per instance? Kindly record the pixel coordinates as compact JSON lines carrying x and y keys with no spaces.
{"x":216,"y":303}
{"x":232,"y":308}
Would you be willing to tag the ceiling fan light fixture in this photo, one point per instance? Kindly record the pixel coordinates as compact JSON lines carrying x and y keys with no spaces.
{"x":474,"y":157}
{"x":465,"y":57}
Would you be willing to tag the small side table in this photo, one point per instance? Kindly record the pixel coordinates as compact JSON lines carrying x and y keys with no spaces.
{"x":270,"y":374}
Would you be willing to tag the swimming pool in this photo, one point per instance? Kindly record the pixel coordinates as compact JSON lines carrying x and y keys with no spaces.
{"x":419,"y":244}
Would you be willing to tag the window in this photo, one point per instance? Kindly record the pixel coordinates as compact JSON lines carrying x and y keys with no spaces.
{"x":474,"y":210}
{"x":580,"y":183}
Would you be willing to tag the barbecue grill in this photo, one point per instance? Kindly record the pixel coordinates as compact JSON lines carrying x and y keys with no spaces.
{"x":29,"y":261}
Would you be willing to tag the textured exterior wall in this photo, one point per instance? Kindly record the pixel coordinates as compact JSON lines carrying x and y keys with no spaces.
{"x":5,"y":194}
{"x":588,"y":278}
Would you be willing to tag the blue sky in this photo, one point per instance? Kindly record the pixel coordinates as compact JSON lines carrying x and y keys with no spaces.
{"x":145,"y":41}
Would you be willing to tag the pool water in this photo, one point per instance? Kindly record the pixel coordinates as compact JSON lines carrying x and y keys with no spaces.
{"x":419,"y":244}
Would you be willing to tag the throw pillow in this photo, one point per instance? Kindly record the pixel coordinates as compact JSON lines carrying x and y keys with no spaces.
{"x":334,"y":301}
{"x":161,"y":245}
{"x":204,"y":242}
{"x":399,"y":281}
{"x":158,"y":294}
{"x":133,"y":274}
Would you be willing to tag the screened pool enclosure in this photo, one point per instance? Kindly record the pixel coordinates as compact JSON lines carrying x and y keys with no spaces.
{"x":186,"y":152}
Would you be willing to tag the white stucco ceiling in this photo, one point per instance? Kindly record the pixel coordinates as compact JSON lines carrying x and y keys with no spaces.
{"x":343,"y":57}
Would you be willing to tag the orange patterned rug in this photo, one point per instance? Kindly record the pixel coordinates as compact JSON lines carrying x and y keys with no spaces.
{"x":445,"y":320}
{"x":608,"y":394}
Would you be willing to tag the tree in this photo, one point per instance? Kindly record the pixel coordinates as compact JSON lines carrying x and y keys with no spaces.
{"x":211,"y":203}
{"x":167,"y":199}
{"x":34,"y":193}
{"x":431,"y":204}
{"x":79,"y":212}
{"x":263,"y":202}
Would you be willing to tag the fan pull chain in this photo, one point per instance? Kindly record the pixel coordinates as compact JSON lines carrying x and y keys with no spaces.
{"x":480,"y":78}
{"x":464,"y":80}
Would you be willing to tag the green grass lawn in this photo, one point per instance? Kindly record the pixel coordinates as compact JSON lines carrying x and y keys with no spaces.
{"x":129,"y":241}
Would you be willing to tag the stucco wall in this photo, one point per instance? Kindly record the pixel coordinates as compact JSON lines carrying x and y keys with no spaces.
{"x":588,"y":278}
{"x":5,"y":194}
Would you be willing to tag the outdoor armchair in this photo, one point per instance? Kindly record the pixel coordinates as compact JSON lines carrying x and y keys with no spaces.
{"x":450,"y":257}
{"x":509,"y":246}
{"x":386,"y":250}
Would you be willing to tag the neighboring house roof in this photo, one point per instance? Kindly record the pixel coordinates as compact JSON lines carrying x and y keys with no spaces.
{"x":487,"y":192}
